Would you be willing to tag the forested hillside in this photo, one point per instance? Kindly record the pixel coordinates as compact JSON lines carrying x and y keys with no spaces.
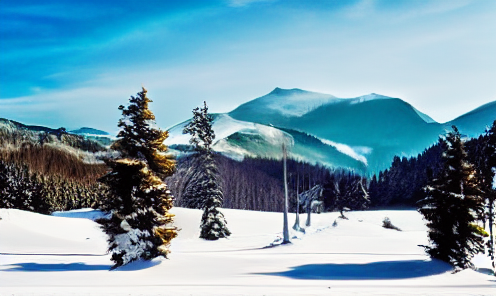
{"x":402,"y":184}
{"x":45,"y":170}
{"x":257,"y":183}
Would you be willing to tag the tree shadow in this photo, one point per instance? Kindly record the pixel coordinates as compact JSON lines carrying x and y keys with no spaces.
{"x":139,"y":265}
{"x":487,"y":271}
{"x":47,"y":267}
{"x":368,"y":271}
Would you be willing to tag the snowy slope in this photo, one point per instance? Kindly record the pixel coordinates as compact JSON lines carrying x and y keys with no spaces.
{"x":238,"y":139}
{"x":224,"y":126}
{"x":357,"y":257}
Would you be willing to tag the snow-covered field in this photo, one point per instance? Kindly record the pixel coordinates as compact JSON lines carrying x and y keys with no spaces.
{"x":66,"y":255}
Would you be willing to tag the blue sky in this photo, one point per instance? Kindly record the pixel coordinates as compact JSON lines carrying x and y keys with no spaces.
{"x":72,"y":63}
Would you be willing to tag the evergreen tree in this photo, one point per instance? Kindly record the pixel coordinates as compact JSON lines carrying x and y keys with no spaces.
{"x":451,"y":206}
{"x":140,"y":226}
{"x":204,"y":190}
{"x":488,"y":172}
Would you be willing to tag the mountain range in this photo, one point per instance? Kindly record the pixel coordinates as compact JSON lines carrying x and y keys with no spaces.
{"x":362,"y":134}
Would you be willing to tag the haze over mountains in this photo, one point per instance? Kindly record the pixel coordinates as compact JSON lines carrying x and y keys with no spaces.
{"x":363,"y":133}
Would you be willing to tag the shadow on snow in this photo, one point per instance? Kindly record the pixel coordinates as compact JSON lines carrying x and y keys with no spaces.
{"x":47,"y":267}
{"x":56,"y":267}
{"x":368,"y":271}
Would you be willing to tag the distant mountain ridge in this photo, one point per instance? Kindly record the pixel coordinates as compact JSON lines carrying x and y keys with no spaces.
{"x":39,"y":128}
{"x":363,"y":133}
{"x":89,"y":131}
{"x":102,"y":137}
{"x":34,"y":128}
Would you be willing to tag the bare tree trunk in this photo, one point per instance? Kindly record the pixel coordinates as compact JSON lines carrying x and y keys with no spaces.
{"x":309,"y":211}
{"x":491,"y":237}
{"x":297,"y":221}
{"x":308,"y":204}
{"x":285,"y":226}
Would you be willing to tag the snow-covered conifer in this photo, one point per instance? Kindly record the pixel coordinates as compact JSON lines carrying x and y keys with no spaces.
{"x":204,"y":190}
{"x":451,"y":206}
{"x":140,"y":226}
{"x":488,"y":172}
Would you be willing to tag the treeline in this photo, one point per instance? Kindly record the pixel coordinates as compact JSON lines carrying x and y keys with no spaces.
{"x":403,"y":183}
{"x":52,"y":160}
{"x":20,"y":189}
{"x":257,"y":183}
{"x":50,"y":171}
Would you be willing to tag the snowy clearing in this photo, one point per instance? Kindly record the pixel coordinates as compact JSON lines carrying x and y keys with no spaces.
{"x":66,"y":255}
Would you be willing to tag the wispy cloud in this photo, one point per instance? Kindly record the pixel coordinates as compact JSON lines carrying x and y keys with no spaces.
{"x":417,"y":9}
{"x":242,"y":3}
{"x":361,"y":9}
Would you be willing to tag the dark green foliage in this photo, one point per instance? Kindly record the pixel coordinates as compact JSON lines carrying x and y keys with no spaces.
{"x":204,"y":190}
{"x":245,"y":185}
{"x":20,"y":189}
{"x":140,"y":226}
{"x":403,"y":183}
{"x":139,"y":139}
{"x":214,"y":225}
{"x":452,"y":204}
{"x":483,"y":155}
{"x":345,"y":191}
{"x":489,"y":173}
{"x":256,"y":183}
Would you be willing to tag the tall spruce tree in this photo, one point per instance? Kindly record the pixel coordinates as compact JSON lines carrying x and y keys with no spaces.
{"x":488,"y":172}
{"x":140,"y":226}
{"x":204,"y":191}
{"x":451,"y":206}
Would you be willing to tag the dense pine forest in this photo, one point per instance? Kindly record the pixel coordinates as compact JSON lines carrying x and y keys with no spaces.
{"x":257,"y":183}
{"x":403,"y":183}
{"x":46,"y":170}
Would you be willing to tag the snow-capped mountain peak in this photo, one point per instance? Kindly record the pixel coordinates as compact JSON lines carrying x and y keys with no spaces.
{"x":292,"y":102}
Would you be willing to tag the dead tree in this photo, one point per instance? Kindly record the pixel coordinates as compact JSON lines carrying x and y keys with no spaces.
{"x":308,"y":197}
{"x":285,"y":226}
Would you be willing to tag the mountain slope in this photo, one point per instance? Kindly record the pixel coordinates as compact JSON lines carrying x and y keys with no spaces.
{"x":237,"y":139}
{"x":362,"y":133}
{"x":475,"y":121}
{"x":382,"y":125}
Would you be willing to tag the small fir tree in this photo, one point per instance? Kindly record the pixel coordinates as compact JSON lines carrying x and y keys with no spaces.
{"x":204,"y":191}
{"x":451,"y":206}
{"x":140,"y":226}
